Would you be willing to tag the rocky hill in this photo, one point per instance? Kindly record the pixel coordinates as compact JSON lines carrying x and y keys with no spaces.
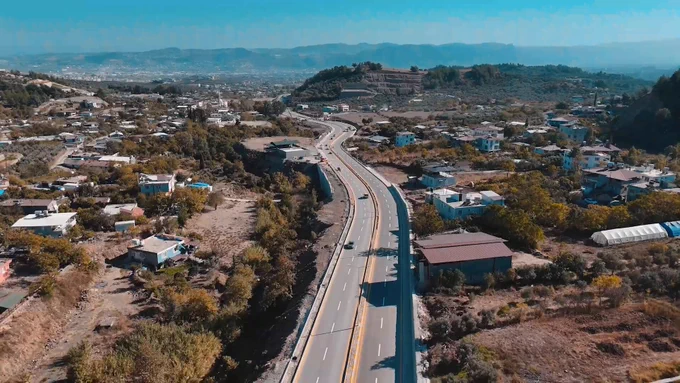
{"x":364,"y":79}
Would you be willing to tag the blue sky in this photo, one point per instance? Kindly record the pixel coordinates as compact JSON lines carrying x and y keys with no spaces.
{"x":33,"y":26}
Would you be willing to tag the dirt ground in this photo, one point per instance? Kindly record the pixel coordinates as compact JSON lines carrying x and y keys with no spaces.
{"x":392,"y":174}
{"x":583,"y":347}
{"x":227,"y":230}
{"x":111,"y":297}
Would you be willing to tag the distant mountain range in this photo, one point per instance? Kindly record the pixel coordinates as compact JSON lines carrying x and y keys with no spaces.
{"x":663,"y":54}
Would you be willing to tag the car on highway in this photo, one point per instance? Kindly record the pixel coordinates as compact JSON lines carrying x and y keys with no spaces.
{"x":365,"y":196}
{"x":349,"y":245}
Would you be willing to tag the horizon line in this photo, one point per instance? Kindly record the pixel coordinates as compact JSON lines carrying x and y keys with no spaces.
{"x":347,"y":44}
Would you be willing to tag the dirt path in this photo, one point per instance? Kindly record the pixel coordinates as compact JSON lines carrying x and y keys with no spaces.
{"x":61,"y":157}
{"x":110,"y":297}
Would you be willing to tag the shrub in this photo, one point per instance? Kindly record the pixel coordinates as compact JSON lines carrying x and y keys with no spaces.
{"x":488,"y":319}
{"x":151,"y":353}
{"x":618,"y":296}
{"x":489,"y":281}
{"x":658,"y":248}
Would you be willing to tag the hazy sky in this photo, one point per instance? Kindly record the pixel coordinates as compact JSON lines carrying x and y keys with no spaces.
{"x":134,"y":25}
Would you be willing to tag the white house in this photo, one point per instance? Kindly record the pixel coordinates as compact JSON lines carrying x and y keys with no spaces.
{"x":47,"y":224}
{"x":575,"y":133}
{"x":462,"y":206}
{"x":589,"y":160}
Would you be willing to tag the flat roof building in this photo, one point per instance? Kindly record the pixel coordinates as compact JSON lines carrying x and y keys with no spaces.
{"x":47,"y":224}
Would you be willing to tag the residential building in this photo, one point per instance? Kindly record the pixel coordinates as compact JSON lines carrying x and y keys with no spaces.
{"x":154,"y":251}
{"x":5,"y":269}
{"x":557,"y":122}
{"x":47,"y":224}
{"x":610,"y":180}
{"x":437,"y":176}
{"x":474,"y":254}
{"x":302,"y":107}
{"x":628,"y":181}
{"x":488,"y":130}
{"x":70,"y":183}
{"x":130,"y":209}
{"x":590,"y":159}
{"x":550,"y":150}
{"x":574,"y":133}
{"x":150,"y":184}
{"x":9,"y":301}
{"x":488,"y":144}
{"x":123,"y":226}
{"x":30,"y":206}
{"x":404,"y":139}
{"x":343,"y":107}
{"x":534,"y":132}
{"x":464,"y":205}
{"x":378,"y":139}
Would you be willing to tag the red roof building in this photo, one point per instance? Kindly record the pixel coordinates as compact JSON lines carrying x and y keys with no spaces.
{"x":475,"y":254}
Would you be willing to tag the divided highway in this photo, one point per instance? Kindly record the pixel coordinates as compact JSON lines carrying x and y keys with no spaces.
{"x":383,"y":349}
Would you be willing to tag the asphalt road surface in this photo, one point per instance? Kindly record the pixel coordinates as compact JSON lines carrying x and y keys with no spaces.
{"x":384,"y":345}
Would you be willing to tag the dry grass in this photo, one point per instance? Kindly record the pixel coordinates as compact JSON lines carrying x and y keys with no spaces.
{"x":656,"y":372}
{"x":659,"y":309}
{"x":24,"y":336}
{"x":608,"y":345}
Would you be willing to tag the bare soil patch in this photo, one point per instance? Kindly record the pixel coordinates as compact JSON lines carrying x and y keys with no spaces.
{"x":392,"y":174}
{"x":598,"y":347}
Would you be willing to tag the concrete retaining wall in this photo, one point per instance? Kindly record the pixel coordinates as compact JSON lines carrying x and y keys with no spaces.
{"x":324,"y":183}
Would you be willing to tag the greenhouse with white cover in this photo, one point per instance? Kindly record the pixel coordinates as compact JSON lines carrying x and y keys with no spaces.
{"x":629,"y":234}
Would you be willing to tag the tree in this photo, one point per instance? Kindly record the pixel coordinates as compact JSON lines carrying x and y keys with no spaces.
{"x":604,"y":283}
{"x":426,"y":221}
{"x":191,"y":306}
{"x":562,"y":105}
{"x":215,"y":199}
{"x":239,"y":287}
{"x":301,"y":181}
{"x":414,"y":68}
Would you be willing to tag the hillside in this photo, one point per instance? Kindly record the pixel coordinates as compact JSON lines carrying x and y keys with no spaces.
{"x":538,"y":83}
{"x":364,"y":79}
{"x":663,"y":53}
{"x":652,"y":122}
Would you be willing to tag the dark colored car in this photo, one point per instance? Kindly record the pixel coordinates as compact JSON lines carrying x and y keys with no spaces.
{"x":349,"y":245}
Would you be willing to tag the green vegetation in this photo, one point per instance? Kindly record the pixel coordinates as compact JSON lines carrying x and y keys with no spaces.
{"x":151,"y":353}
{"x":651,"y":122}
{"x":442,"y":76}
{"x":327,"y":84}
{"x":47,"y":255}
{"x":546,"y":82}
